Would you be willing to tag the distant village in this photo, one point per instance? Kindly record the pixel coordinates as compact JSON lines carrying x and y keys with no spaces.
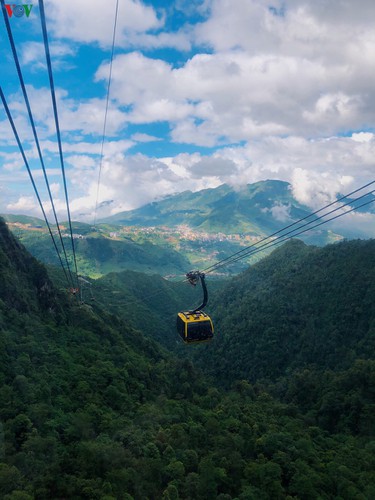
{"x":182,"y":232}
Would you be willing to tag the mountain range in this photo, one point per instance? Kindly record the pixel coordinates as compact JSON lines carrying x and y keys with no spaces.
{"x":180,"y":232}
{"x":257,"y":209}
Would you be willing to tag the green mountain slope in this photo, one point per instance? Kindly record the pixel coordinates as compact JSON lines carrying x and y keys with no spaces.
{"x":302,"y":323}
{"x":91,"y":409}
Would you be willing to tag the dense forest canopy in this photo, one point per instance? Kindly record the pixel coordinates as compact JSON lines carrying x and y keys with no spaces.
{"x":91,"y":408}
{"x":301,"y":306}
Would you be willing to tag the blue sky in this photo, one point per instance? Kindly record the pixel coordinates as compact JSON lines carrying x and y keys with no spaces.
{"x":202,"y":93}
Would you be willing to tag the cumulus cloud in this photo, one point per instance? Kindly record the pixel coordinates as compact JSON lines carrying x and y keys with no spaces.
{"x":236,"y":96}
{"x":81,"y":162}
{"x":24,"y":204}
{"x":85,"y":116}
{"x":317,"y":170}
{"x":131,"y":181}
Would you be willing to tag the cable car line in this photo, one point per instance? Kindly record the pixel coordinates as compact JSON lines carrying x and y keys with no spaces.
{"x":32,"y":180}
{"x":209,"y":269}
{"x":106,"y":113}
{"x":273,"y":243}
{"x":54,"y":105}
{"x":293,"y":232}
{"x":32,"y":123}
{"x":283,"y":237}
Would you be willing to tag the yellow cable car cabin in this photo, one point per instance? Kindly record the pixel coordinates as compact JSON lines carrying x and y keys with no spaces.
{"x":196,"y":325}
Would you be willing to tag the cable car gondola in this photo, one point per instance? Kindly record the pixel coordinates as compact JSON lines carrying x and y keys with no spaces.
{"x":195,"y":326}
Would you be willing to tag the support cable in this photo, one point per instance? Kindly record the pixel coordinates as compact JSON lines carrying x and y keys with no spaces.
{"x":16,"y":60}
{"x":32,"y":179}
{"x":106,"y":113}
{"x":53,"y":94}
{"x":284,"y":237}
{"x":240,"y":252}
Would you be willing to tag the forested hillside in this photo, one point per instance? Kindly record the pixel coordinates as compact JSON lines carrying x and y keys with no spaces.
{"x":98,"y":255}
{"x":302,"y":321}
{"x":300,"y":306}
{"x":91,"y":409}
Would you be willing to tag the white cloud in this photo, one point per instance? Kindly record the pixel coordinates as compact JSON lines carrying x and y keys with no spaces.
{"x":55,"y":188}
{"x":81,"y":162}
{"x":33,"y":53}
{"x":319,"y":30}
{"x":317,"y":171}
{"x":130,"y":181}
{"x":90,"y":21}
{"x":88,"y":117}
{"x":363,"y":137}
{"x":318,"y":189}
{"x":339,"y":108}
{"x":138,"y":25}
{"x":280,"y":212}
{"x":85,"y":116}
{"x":24,"y":204}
